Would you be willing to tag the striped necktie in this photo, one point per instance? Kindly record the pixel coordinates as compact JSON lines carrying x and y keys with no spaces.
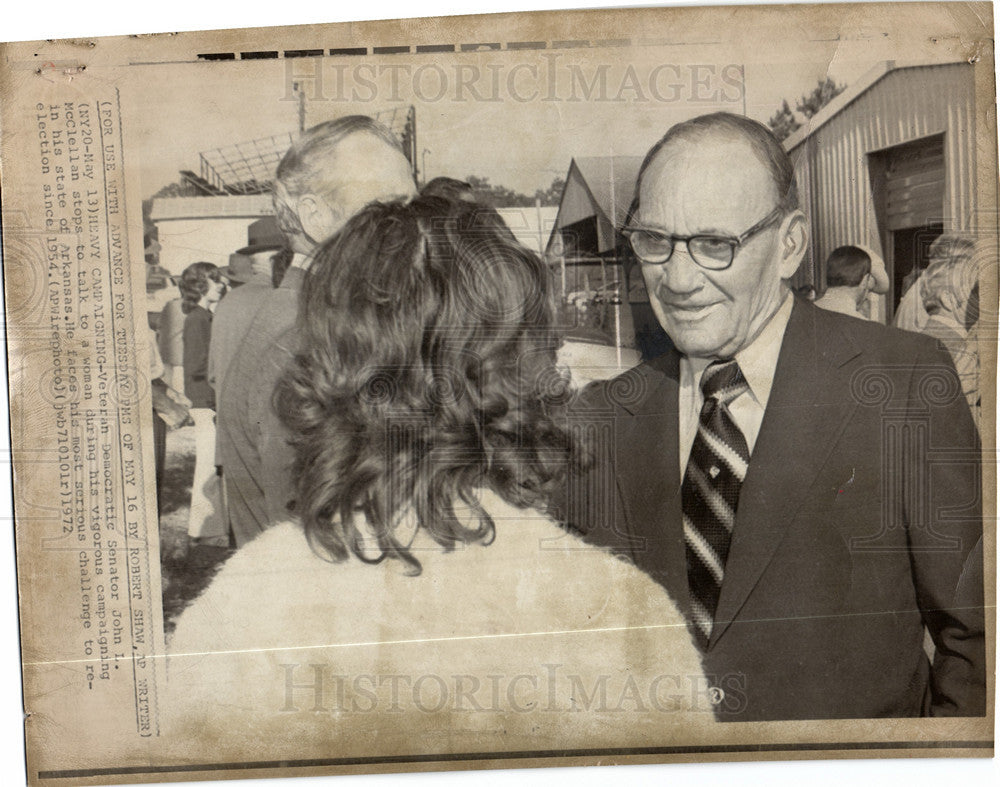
{"x":711,"y":489}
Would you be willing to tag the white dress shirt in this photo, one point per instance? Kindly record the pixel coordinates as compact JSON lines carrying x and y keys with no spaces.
{"x":843,"y":300}
{"x":300,"y":260}
{"x":758,"y":362}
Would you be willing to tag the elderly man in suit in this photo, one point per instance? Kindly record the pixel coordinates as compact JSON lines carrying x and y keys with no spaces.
{"x":805,"y":485}
{"x":330,"y":173}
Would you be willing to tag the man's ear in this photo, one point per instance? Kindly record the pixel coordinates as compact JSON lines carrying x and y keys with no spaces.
{"x":316,"y":217}
{"x":794,"y":241}
{"x":950,"y":302}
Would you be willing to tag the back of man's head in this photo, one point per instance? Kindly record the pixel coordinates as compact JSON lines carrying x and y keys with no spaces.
{"x":347,"y":163}
{"x":847,"y":266}
{"x":729,"y":127}
{"x":950,"y":249}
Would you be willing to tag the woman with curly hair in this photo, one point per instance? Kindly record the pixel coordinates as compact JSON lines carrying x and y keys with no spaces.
{"x":201,"y":289}
{"x":423,"y":599}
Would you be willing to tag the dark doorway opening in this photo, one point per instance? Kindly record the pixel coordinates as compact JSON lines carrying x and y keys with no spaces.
{"x":910,"y":255}
{"x":908,"y":185}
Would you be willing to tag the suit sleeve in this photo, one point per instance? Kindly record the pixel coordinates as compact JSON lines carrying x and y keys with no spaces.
{"x":587,"y":502}
{"x":571,"y":504}
{"x":277,"y":455}
{"x":945,"y":529}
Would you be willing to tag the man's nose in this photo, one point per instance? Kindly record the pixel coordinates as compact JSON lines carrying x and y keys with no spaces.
{"x":681,"y":274}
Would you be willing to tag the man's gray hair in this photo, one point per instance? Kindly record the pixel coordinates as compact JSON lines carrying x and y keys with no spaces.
{"x":304,"y":168}
{"x":952,"y":269}
{"x":762,"y":142}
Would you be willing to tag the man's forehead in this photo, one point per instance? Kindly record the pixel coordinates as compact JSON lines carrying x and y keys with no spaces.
{"x":700,"y":159}
{"x":713,"y":181}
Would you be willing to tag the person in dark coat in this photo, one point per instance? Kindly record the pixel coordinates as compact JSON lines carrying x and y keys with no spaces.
{"x":330,"y":173}
{"x":765,"y":472}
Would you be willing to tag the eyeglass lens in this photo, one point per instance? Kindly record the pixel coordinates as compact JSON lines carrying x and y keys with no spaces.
{"x":706,"y":250}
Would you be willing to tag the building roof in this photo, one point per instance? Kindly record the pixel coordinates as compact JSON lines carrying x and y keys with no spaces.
{"x":864,"y":84}
{"x":230,"y":206}
{"x":611,"y":180}
{"x":531,"y":226}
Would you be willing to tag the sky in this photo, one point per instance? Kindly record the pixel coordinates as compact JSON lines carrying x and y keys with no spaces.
{"x":524,"y":145}
{"x":479,"y":126}
{"x":182,"y":122}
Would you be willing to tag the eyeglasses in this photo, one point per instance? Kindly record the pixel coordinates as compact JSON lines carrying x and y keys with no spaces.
{"x":712,"y":252}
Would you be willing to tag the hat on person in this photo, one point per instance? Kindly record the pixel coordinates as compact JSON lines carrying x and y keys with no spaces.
{"x":239,"y":269}
{"x":878,"y":271}
{"x":263,"y":235}
{"x":157,"y":277}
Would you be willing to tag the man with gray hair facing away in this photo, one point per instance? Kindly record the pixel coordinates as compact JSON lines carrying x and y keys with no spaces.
{"x":330,"y":173}
{"x":945,"y":291}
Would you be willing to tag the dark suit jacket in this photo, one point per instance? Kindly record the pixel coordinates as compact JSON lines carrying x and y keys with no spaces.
{"x":253,"y":449}
{"x":854,"y":527}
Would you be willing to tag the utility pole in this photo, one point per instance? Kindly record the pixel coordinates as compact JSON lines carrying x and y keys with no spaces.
{"x":296,"y":88}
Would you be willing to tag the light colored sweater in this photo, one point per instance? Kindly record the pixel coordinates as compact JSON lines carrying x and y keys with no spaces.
{"x":536,"y":641}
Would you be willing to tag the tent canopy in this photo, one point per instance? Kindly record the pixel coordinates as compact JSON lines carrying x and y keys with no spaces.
{"x":595,"y":201}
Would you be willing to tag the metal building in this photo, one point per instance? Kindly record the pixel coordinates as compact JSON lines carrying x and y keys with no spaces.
{"x":890,"y":163}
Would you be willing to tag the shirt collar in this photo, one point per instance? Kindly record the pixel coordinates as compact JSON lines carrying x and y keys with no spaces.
{"x":300,"y":260}
{"x":759,"y":360}
{"x":842,"y":296}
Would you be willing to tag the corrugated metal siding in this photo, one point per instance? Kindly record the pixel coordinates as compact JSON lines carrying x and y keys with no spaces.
{"x":905,"y":105}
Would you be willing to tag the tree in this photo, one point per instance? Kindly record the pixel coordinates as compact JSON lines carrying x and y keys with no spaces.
{"x":552,"y":194}
{"x":825,"y":91}
{"x":499,"y":196}
{"x":784,"y":122}
{"x":182,"y":188}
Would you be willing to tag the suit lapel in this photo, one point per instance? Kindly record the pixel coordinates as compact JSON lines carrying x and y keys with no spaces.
{"x":648,"y":476}
{"x":799,"y":430}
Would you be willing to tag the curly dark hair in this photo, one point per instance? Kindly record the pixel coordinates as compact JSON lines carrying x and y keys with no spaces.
{"x":426,"y":371}
{"x":193,"y":283}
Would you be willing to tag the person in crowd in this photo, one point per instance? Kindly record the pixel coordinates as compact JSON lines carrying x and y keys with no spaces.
{"x":170,"y":341}
{"x":251,"y":266}
{"x":170,"y":411}
{"x":874,"y":306}
{"x":910,"y":314}
{"x":753,"y":477}
{"x":449,"y":188}
{"x":331,"y":172}
{"x":201,"y":290}
{"x":946,"y":289}
{"x":848,"y":281}
{"x":422,"y":404}
{"x":279,"y":265}
{"x":978,"y":334}
{"x":807,"y":291}
{"x":156,"y":385}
